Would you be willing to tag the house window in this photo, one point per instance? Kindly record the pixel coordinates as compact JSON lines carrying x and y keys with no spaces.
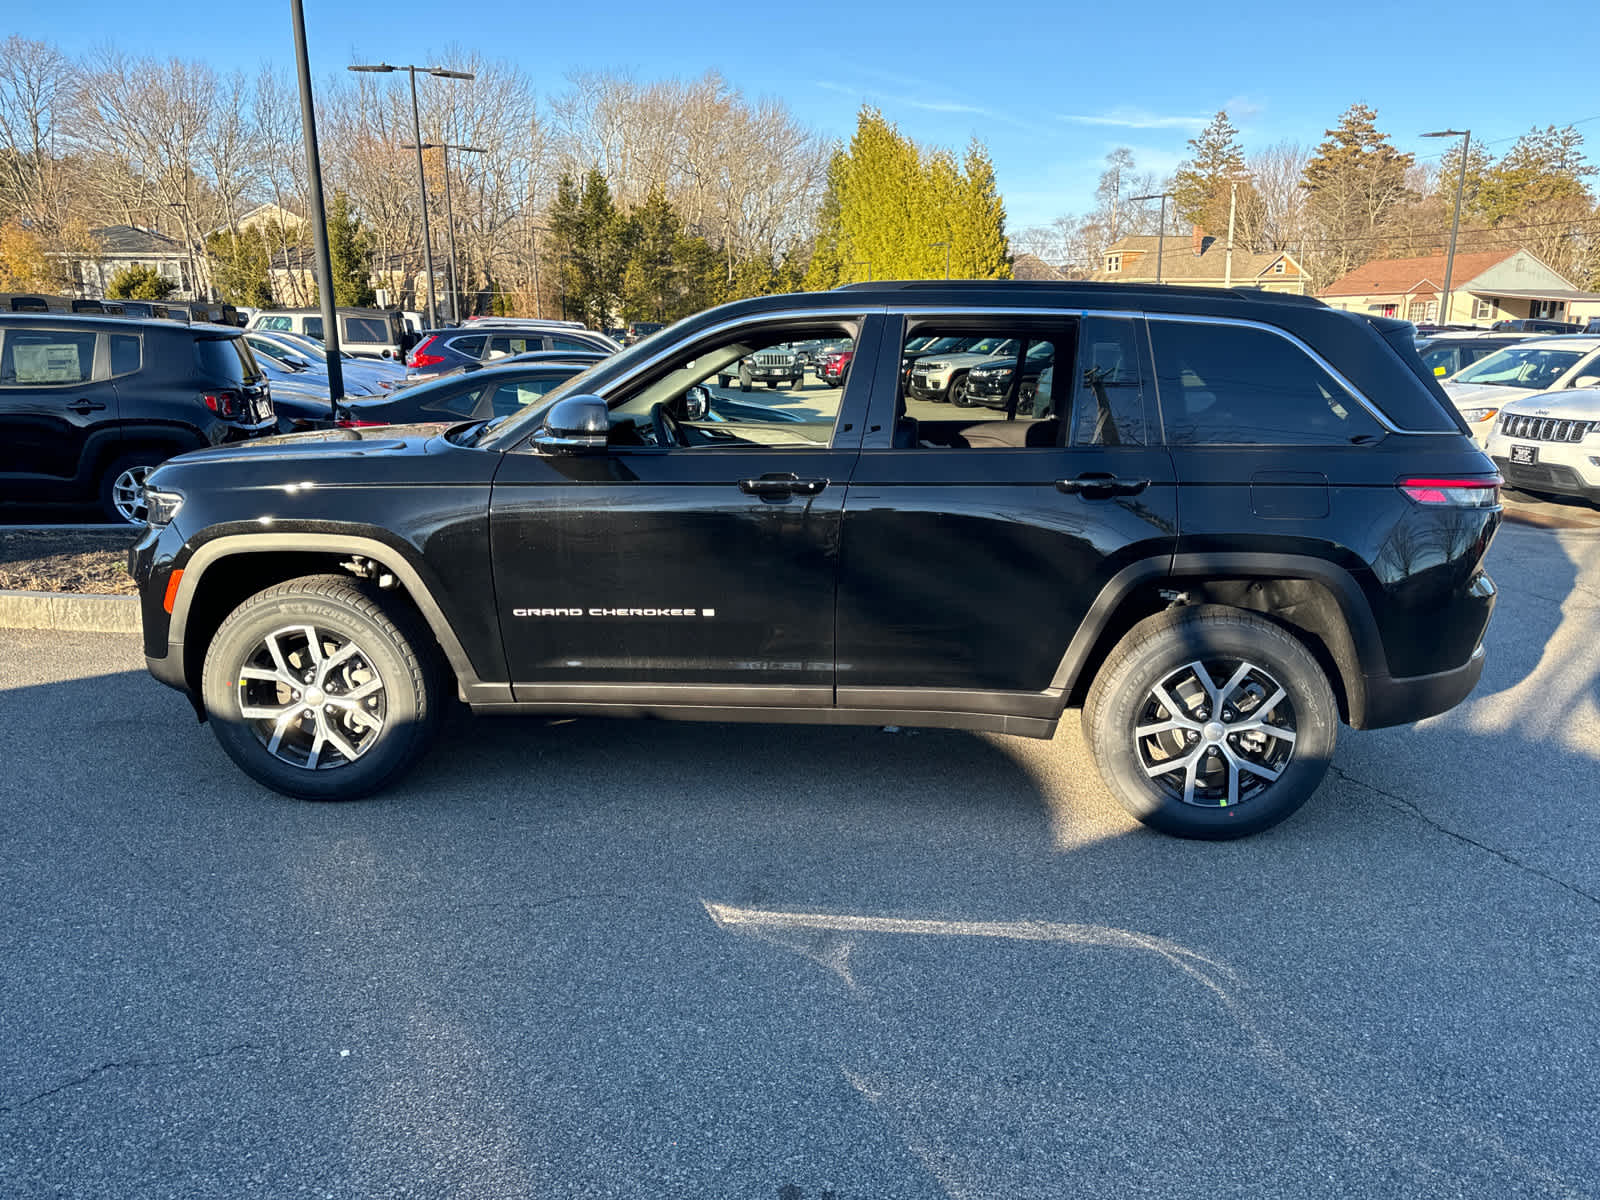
{"x":1482,"y":308}
{"x":1423,"y":311}
{"x":1278,"y":267}
{"x":1113,"y":262}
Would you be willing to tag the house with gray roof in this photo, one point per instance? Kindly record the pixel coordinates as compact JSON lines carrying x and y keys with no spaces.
{"x":117,"y":247}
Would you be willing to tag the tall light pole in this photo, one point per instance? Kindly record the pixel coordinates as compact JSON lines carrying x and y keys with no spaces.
{"x":422,"y":178}
{"x":450,"y":218}
{"x":1455,"y":222}
{"x":1161,"y":234}
{"x":319,"y":222}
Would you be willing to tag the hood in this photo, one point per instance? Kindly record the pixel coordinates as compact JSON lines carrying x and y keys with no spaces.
{"x":319,"y":445}
{"x":1578,"y":404}
{"x":1483,"y":395}
{"x":966,"y":358}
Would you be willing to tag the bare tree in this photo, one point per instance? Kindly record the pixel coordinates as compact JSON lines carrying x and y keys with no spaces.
{"x":35,"y":84}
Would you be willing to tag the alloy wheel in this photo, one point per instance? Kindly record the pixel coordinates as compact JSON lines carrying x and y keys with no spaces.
{"x":127,"y":494}
{"x":312,"y":697}
{"x":1211,"y":745}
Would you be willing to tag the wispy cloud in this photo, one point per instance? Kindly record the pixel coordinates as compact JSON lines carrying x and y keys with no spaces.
{"x":1129,"y":119}
{"x":893,"y":100}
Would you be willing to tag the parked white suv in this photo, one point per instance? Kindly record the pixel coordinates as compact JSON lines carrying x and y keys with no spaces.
{"x":1550,"y":442}
{"x":1540,"y":365}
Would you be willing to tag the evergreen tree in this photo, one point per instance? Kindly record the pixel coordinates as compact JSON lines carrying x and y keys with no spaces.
{"x":1355,"y":180}
{"x":348,"y":249}
{"x":889,"y":210}
{"x":139,"y":282}
{"x":650,"y":280}
{"x":241,"y":267}
{"x":1202,"y":188}
{"x":589,"y":236}
{"x":1544,"y":167}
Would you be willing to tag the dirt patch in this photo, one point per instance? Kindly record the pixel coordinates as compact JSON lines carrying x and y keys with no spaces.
{"x":43,"y":561}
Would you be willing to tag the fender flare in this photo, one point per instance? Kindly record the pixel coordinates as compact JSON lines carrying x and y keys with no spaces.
{"x":1364,"y":655}
{"x":473,"y":688}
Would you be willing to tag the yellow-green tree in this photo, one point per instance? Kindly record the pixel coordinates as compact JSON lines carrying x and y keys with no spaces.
{"x":139,"y":282}
{"x":894,"y":211}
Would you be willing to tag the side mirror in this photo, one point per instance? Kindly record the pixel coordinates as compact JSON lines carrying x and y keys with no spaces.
{"x":696,"y":404}
{"x":574,"y":425}
{"x":1587,"y":381}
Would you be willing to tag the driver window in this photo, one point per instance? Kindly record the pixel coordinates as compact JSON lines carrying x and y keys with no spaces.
{"x":768,"y":388}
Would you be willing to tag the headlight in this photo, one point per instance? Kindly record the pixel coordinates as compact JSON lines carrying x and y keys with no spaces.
{"x":1478,"y":414}
{"x":936,"y":366}
{"x":161,"y":507}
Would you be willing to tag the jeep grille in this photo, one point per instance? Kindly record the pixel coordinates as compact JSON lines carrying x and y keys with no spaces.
{"x":1545,"y":429}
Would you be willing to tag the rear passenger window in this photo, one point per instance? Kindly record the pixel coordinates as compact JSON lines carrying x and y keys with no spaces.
{"x":45,"y":356}
{"x":502,"y":344}
{"x":459,"y":404}
{"x":509,"y":397}
{"x":1107,"y":401}
{"x":124,"y":354}
{"x":982,"y":388}
{"x":1227,"y":385}
{"x":314,"y":328}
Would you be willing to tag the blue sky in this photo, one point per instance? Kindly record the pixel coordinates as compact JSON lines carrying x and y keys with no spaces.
{"x":1050,"y":87}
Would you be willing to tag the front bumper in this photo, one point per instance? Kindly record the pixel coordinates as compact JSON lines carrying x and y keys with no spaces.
{"x":1567,"y":468}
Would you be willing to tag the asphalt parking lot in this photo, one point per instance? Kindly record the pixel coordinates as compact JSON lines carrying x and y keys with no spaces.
{"x":592,"y":958}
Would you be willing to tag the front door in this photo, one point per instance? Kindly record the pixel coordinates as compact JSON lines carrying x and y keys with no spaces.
{"x":695,"y":559}
{"x":976,"y":539}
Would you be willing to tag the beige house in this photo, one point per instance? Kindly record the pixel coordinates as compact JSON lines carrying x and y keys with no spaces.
{"x":1485,"y":286}
{"x":1198,"y":260}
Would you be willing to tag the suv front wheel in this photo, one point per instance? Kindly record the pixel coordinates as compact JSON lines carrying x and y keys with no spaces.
{"x":1210,"y":722}
{"x":318,"y":690}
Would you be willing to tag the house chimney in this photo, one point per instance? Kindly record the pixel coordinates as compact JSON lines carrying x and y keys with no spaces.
{"x":1199,"y":240}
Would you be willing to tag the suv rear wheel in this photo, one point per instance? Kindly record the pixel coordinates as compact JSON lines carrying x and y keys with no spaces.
{"x":1211,"y":722}
{"x":319,"y":691}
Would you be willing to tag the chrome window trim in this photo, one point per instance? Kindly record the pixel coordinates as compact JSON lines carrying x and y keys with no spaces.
{"x":1339,"y":377}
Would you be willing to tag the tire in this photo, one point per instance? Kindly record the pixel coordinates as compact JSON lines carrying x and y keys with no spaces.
{"x":392,"y":649}
{"x":121,"y":487}
{"x":1025,"y":401}
{"x":958,"y":390}
{"x":1293,"y":737}
{"x":724,"y":380}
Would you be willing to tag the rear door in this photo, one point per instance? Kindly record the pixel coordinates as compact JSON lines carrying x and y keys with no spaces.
{"x":976,"y":541}
{"x":58,"y":407}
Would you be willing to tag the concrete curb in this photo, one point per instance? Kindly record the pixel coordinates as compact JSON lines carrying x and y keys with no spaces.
{"x":84,"y":612}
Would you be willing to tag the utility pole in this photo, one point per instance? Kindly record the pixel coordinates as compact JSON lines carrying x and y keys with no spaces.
{"x":1455,"y":222}
{"x":422,"y":178}
{"x":1116,"y":195}
{"x":1161,"y":235}
{"x":452,"y":268}
{"x":319,"y":221}
{"x":1233,"y":201}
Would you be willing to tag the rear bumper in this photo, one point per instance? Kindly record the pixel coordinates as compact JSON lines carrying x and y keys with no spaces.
{"x":1392,"y":701}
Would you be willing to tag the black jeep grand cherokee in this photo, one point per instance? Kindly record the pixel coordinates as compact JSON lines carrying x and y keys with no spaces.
{"x":1247,"y":518}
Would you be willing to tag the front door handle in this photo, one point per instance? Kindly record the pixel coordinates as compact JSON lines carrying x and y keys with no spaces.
{"x":1100,"y":485}
{"x":85,"y":406}
{"x":775,"y":485}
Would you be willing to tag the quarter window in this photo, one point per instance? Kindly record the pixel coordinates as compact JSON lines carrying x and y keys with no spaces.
{"x":472,"y":346}
{"x":124,"y":354}
{"x":367,"y":330}
{"x":43,"y":357}
{"x":314,"y":328}
{"x":1231,"y":385}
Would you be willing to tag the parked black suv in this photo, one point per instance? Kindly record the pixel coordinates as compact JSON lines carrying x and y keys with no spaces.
{"x":1247,"y":518}
{"x":88,"y":405}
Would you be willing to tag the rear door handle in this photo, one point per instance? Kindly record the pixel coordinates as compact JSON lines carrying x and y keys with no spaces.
{"x":85,"y":406}
{"x":1100,"y":485}
{"x":775,"y":485}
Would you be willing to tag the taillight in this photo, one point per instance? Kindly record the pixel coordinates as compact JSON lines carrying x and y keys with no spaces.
{"x":225,"y":403}
{"x":353,"y":423}
{"x":1470,"y":491}
{"x":418,"y":356}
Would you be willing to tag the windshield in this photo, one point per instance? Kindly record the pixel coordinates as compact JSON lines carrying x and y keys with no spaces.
{"x":1521,"y":367}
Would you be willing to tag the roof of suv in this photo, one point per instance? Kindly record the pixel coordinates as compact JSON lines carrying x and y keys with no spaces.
{"x":112,"y":321}
{"x":1583,"y":342}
